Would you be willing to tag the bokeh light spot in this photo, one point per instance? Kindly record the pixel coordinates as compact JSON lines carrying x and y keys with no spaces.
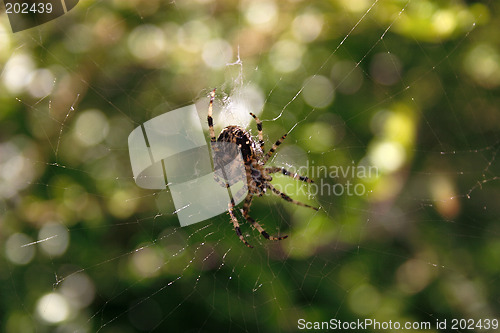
{"x":120,"y":206}
{"x":192,"y":35}
{"x":263,"y":12}
{"x":54,"y":239}
{"x":387,"y":155}
{"x":15,"y":171}
{"x":146,"y":262}
{"x":146,"y":41}
{"x":347,"y":77}
{"x":286,"y":56}
{"x":18,"y":250}
{"x":17,"y":72}
{"x":444,"y":196}
{"x":413,"y":276}
{"x":320,"y":135}
{"x":307,"y":27}
{"x":318,"y":91}
{"x":91,"y":127}
{"x":40,"y":83}
{"x":78,"y":289}
{"x":482,"y":63}
{"x":356,"y":6}
{"x":444,"y":22}
{"x":364,"y":299}
{"x":53,"y":308}
{"x":217,"y":53}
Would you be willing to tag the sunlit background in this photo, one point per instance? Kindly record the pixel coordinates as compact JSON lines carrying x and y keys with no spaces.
{"x":409,"y":88}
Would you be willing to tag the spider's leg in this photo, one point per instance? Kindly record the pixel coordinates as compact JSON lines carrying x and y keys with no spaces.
{"x":273,"y":149}
{"x":289,"y":174}
{"x":259,"y":128}
{"x":236,"y":224}
{"x":287,"y":198}
{"x":209,"y":117}
{"x":255,"y":224}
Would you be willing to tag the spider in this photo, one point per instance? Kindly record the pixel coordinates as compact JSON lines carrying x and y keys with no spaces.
{"x":258,"y":176}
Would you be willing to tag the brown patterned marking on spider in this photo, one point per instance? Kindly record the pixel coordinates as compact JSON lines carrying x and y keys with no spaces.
{"x":258,"y":176}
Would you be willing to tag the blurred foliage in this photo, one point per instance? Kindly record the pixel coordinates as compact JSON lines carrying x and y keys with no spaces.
{"x":409,"y":87}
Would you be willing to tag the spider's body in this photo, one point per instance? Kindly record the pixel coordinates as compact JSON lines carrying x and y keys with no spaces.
{"x":258,"y":176}
{"x":250,"y":152}
{"x":235,"y":134}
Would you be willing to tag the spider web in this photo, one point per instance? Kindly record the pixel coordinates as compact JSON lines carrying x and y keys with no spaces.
{"x":405,"y":87}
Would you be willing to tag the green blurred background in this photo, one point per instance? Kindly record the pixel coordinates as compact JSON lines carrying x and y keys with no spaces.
{"x":410,"y":88}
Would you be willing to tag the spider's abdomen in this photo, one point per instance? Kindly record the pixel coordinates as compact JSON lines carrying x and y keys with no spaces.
{"x":242,"y":139}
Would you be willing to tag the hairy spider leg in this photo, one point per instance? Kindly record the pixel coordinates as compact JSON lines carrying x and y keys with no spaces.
{"x":287,"y":198}
{"x":273,"y":149}
{"x":259,"y":128}
{"x":236,"y":224}
{"x":209,"y":117}
{"x":245,"y":210}
{"x":211,"y":128}
{"x":289,"y":174}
